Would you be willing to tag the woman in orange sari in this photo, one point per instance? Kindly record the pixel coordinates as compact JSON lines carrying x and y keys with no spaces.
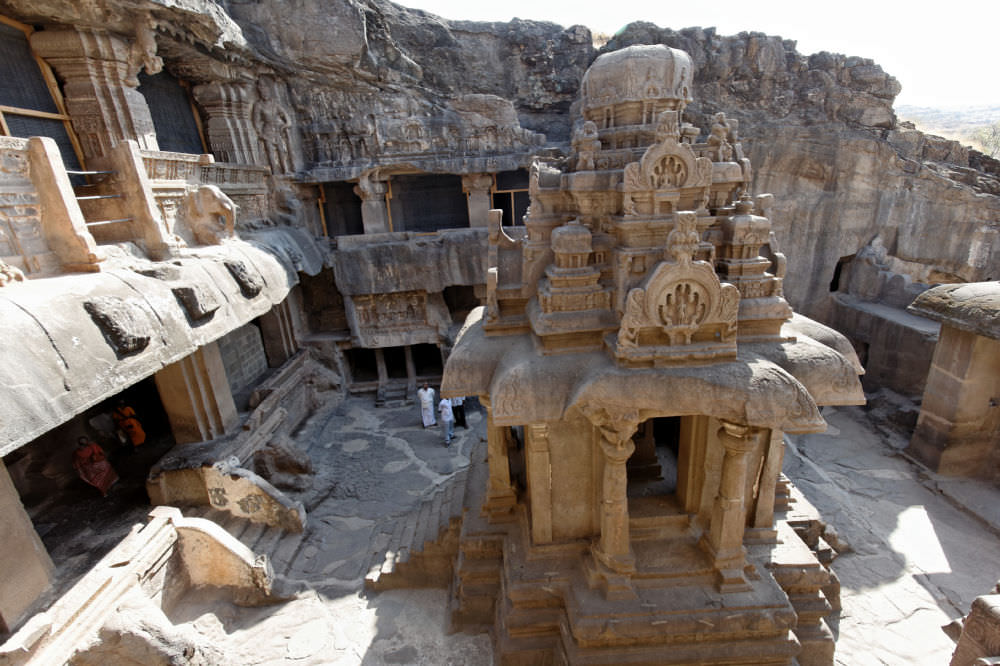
{"x":93,"y":466}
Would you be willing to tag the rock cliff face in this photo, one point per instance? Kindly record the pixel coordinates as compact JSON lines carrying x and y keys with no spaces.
{"x":819,"y":129}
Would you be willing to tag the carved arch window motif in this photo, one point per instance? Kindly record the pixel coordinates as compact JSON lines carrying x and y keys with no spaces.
{"x":30,"y":101}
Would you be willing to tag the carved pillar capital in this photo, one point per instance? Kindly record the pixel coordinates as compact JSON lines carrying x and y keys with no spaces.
{"x":371,"y":187}
{"x":100,"y":94}
{"x":477,"y":182}
{"x":738,"y":438}
{"x":374,"y":211}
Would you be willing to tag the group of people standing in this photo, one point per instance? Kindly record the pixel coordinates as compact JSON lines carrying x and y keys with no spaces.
{"x":451,"y":410}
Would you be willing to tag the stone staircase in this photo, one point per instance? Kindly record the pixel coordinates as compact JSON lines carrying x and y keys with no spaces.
{"x":280,"y":546}
{"x":416,"y":549}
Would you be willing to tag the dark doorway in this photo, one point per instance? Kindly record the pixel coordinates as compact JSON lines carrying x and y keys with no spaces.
{"x":652,"y":469}
{"x":510,"y":194}
{"x":362,"y":365}
{"x":428,"y":203}
{"x":342,"y":209}
{"x":427,"y":361}
{"x":395,"y":362}
{"x":460,"y":299}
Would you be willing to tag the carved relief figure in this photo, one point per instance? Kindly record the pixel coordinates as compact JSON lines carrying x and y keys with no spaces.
{"x":272,"y":124}
{"x":586,"y":142}
{"x":142,"y":53}
{"x":211,"y":215}
{"x":718,"y":139}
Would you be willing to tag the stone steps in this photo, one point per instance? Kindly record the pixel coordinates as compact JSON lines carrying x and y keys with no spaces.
{"x":279,"y":546}
{"x":413,"y":532}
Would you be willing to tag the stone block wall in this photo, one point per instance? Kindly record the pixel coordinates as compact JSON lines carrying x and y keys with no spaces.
{"x":243,"y":357}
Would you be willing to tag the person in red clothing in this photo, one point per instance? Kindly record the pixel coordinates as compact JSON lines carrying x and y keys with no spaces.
{"x":93,"y":466}
{"x":126,"y":420}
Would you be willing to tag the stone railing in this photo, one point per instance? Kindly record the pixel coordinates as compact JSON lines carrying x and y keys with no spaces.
{"x":33,"y":178}
{"x":173,"y":175}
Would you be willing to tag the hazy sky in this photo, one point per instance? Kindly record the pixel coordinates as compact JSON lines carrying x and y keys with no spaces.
{"x":944,"y":54}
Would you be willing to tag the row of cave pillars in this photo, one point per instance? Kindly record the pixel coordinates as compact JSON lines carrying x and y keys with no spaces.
{"x":742,"y":509}
{"x":422,"y":203}
{"x":52,"y":517}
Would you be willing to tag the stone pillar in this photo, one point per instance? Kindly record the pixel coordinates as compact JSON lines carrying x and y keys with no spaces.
{"x":724,"y":539}
{"x":614,"y":549}
{"x":383,"y":374}
{"x":958,"y":430}
{"x":761,"y":522}
{"x":477,"y":186}
{"x":539,"y":466}
{"x":500,"y":496}
{"x":196,"y":396}
{"x":229,"y":132}
{"x":94,"y":66}
{"x":411,"y":373}
{"x":27,"y":568}
{"x":374,"y":211}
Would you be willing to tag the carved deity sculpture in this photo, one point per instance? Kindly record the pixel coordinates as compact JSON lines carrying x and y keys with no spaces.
{"x":272,"y":124}
{"x":586,"y":142}
{"x":142,"y":53}
{"x":718,"y":139}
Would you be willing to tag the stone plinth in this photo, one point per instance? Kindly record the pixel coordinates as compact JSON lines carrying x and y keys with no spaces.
{"x":958,"y":431}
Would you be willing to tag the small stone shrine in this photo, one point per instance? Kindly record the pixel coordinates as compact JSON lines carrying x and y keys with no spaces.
{"x":639,"y":366}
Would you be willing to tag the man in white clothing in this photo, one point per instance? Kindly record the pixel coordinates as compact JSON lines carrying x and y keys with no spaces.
{"x":425,"y":396}
{"x":447,"y":420}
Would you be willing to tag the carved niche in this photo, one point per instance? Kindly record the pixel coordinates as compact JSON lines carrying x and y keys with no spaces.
{"x":667,"y":166}
{"x":682,"y":312}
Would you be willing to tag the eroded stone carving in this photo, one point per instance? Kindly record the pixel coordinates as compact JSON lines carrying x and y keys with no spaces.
{"x":249,"y":281}
{"x":211,"y":215}
{"x":142,"y":53}
{"x":123,"y":322}
{"x":199,"y":302}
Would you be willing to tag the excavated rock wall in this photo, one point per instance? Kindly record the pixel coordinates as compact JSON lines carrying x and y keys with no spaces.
{"x":819,"y":129}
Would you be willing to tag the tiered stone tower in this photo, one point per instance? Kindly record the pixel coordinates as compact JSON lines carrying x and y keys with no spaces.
{"x":635,"y":326}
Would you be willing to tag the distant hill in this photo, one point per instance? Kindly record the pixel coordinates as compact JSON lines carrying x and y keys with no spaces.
{"x":957,"y":124}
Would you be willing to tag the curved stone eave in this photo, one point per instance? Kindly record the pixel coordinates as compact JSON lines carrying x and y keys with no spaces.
{"x":70,"y":365}
{"x":830,"y":378}
{"x":753,"y":391}
{"x":973,"y":307}
{"x":474,"y":358}
{"x":800,"y":325}
{"x":525,"y":387}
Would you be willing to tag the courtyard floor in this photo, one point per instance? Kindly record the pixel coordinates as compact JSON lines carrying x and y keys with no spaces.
{"x":919,"y":548}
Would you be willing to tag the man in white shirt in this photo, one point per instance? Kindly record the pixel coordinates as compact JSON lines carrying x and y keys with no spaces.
{"x":447,"y":420}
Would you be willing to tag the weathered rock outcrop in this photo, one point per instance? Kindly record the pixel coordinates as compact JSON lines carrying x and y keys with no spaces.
{"x":369,"y":83}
